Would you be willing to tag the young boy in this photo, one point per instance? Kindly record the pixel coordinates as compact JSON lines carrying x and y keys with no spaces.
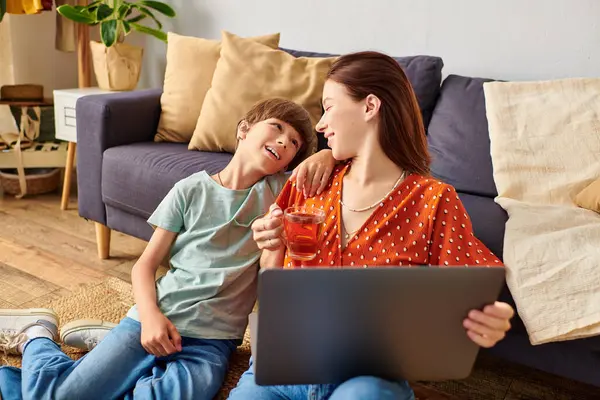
{"x":176,"y":341}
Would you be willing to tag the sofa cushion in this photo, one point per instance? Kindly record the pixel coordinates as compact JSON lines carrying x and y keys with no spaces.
{"x":423,"y":72}
{"x":191,"y":63}
{"x":136,"y":177}
{"x":488,"y":220}
{"x":589,"y":197}
{"x":249,"y":72}
{"x":458,"y":137}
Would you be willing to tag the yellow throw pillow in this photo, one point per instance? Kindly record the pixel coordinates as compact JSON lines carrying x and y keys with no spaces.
{"x":246,"y":73}
{"x":590,"y":197}
{"x":191,"y":63}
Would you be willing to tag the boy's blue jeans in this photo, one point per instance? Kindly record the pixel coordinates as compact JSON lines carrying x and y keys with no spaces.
{"x":118,"y":367}
{"x":360,"y":388}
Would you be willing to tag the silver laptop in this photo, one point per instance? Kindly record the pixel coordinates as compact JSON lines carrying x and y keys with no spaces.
{"x":327,"y":325}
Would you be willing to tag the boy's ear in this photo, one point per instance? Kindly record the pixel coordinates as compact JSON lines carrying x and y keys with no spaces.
{"x":242,"y":129}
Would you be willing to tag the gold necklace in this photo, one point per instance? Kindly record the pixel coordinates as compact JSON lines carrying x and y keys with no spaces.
{"x":377,"y":202}
{"x":348,"y":234}
{"x":219,"y":176}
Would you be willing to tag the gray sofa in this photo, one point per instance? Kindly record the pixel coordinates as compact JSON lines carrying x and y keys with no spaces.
{"x":123,"y":175}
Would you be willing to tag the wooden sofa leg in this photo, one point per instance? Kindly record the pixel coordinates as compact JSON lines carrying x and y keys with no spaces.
{"x":103,"y":240}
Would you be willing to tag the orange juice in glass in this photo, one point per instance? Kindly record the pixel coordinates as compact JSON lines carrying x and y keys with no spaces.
{"x":301,"y":226}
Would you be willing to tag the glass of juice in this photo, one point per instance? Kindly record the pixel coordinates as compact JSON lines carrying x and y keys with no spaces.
{"x":301,"y":226}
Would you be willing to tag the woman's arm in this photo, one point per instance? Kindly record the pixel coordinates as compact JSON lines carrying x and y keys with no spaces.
{"x":453,"y":243}
{"x":272,"y":259}
{"x":312,"y":175}
{"x":309,"y":178}
{"x":268,"y":235}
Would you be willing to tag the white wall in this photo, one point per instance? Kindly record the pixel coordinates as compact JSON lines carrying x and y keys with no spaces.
{"x":501,"y":39}
{"x":6,"y":66}
{"x":35,"y":60}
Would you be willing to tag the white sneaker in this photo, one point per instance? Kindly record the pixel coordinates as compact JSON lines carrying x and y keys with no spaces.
{"x":19,"y":326}
{"x":85,"y":334}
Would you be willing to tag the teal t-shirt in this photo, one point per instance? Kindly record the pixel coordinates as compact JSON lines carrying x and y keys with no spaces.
{"x":211,"y":286}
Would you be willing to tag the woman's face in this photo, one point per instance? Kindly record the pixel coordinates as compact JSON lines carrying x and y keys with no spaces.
{"x":344,"y":121}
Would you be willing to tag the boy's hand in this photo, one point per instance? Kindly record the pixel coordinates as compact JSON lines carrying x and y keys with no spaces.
{"x":159,"y":335}
{"x":312,"y":175}
{"x":490,"y":326}
{"x":268,"y":230}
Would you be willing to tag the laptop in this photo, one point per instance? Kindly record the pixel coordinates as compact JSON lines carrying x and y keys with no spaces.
{"x":327,"y":325}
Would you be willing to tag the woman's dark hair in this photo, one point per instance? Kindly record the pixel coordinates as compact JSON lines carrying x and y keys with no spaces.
{"x":401,"y":130}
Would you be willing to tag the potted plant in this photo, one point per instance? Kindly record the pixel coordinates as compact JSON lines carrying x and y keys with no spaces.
{"x":117,"y":65}
{"x":2,"y":9}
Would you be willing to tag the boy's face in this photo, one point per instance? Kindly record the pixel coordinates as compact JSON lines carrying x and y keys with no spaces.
{"x":272,"y":143}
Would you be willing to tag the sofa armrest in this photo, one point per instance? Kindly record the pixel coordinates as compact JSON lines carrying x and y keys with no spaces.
{"x":105,"y":121}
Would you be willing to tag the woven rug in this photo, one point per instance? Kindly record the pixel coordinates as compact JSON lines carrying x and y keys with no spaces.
{"x":110,"y":300}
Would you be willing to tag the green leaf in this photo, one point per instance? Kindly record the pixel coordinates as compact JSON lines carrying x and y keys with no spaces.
{"x":103,"y":12}
{"x":80,"y":15}
{"x":137,"y":18}
{"x":154,"y":32}
{"x":124,"y":10}
{"x":2,"y":9}
{"x":108,"y":32}
{"x":91,"y":8}
{"x":126,"y":27}
{"x":160,"y":7}
{"x":85,"y":9}
{"x":148,"y":13}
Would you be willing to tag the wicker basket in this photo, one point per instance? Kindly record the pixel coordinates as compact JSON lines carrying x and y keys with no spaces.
{"x":39,"y":180}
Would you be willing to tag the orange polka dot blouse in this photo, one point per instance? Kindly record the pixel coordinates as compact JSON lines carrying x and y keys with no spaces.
{"x":421,"y":222}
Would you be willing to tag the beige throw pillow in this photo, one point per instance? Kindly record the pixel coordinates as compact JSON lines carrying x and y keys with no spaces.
{"x":590,"y":197}
{"x":246,"y":73}
{"x":191,"y":63}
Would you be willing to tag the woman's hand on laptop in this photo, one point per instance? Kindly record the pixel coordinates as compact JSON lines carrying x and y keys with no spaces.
{"x":488,"y":327}
{"x":268,"y":230}
{"x":312,"y":175}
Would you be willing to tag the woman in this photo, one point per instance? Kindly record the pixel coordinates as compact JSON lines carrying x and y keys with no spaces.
{"x":382,"y":207}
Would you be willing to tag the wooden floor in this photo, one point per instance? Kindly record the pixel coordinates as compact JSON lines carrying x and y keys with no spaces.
{"x":46,"y":253}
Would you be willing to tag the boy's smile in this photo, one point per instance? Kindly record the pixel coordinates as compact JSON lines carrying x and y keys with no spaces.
{"x":271,"y":152}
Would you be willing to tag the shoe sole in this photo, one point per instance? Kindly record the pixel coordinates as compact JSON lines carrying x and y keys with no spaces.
{"x":26,"y":312}
{"x":74,"y":326}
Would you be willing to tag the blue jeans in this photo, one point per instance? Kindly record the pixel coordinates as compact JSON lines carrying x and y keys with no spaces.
{"x":118,"y":367}
{"x":360,"y":388}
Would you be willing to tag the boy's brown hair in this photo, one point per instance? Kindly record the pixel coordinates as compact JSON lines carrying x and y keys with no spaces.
{"x":291,"y":113}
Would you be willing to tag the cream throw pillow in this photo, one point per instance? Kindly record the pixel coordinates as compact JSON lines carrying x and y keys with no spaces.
{"x":544,"y":148}
{"x":191,"y":63}
{"x":246,"y":73}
